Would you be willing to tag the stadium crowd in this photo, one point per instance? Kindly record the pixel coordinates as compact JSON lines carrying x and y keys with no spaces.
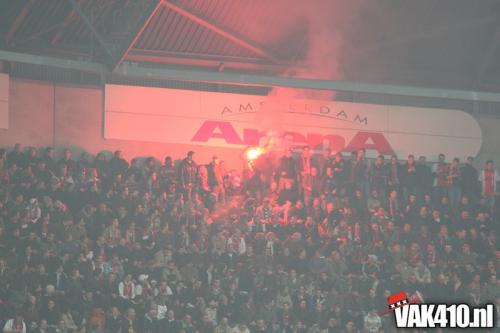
{"x":314,"y":243}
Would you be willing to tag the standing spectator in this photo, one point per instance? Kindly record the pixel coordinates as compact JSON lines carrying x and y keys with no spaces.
{"x":394,"y":180}
{"x":212,"y":181}
{"x":359,"y":172}
{"x":469,"y":181}
{"x":338,"y":170}
{"x":287,"y":169}
{"x":220,"y":175}
{"x":16,"y":157}
{"x":188,"y":173}
{"x":489,"y":179}
{"x":68,"y":162}
{"x":304,"y":165}
{"x":167,"y":171}
{"x":394,"y":206}
{"x":409,"y":177}
{"x":323,"y":161}
{"x":424,"y":178}
{"x":84,"y":161}
{"x":454,"y":182}
{"x":50,"y":159}
{"x":378,"y":176}
{"x":117,"y":165}
{"x":101,"y":164}
{"x":441,"y":173}
{"x":32,"y":157}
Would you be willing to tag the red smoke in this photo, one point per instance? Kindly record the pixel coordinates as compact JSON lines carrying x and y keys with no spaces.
{"x":314,"y":30}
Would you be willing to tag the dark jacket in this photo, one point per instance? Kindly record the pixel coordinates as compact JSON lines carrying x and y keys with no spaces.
{"x":469,"y":180}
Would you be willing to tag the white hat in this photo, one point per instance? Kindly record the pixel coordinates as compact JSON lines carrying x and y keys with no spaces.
{"x":143,"y":277}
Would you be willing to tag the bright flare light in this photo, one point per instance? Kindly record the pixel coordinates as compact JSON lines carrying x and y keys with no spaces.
{"x":253,"y":153}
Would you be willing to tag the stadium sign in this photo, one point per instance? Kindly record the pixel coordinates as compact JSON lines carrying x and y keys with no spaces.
{"x":235,"y":121}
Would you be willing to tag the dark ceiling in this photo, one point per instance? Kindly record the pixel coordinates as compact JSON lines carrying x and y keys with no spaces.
{"x":445,"y":43}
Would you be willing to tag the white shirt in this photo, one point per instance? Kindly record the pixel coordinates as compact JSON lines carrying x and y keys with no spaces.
{"x":236,"y":329}
{"x":162,"y":311}
{"x":121,"y":290}
{"x":9,"y":325}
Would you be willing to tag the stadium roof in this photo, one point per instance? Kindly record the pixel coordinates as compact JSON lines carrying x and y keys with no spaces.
{"x":445,"y":44}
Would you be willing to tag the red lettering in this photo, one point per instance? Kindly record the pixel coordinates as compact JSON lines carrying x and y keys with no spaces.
{"x":225,"y":131}
{"x":315,"y":141}
{"x":337,"y":142}
{"x":370,"y":140}
{"x":295,"y":138}
{"x":252,"y":137}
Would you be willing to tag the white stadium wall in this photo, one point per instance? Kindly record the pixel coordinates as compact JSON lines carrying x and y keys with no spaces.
{"x":157,"y":122}
{"x":237,"y":121}
{"x":44,"y":114}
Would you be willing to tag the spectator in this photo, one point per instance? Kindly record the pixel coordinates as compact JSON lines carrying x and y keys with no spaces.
{"x":223,"y":327}
{"x":373,"y":323}
{"x":272,"y":258}
{"x":129,"y":323}
{"x":338,"y":171}
{"x":454,"y":180}
{"x":441,"y":181}
{"x":424,"y":177}
{"x":489,"y":180}
{"x":469,"y":181}
{"x":378,"y":176}
{"x":188,"y":174}
{"x":117,"y":165}
{"x":66,"y":161}
{"x":16,"y":157}
{"x":240,"y":328}
{"x":409,"y":177}
{"x":15,"y":325}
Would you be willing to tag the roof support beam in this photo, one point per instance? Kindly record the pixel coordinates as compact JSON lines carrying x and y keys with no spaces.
{"x":196,"y":60}
{"x":251,"y":79}
{"x":142,"y":23}
{"x":276,"y":81}
{"x":221,"y":31}
{"x":92,"y":29}
{"x":18,"y":21}
{"x":66,"y":22}
{"x":24,"y":58}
